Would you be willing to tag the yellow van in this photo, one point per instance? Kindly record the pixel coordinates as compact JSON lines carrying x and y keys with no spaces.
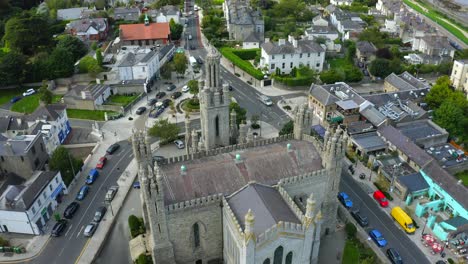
{"x":403,"y":219}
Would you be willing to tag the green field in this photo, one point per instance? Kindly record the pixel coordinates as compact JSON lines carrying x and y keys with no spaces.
{"x":29,"y":103}
{"x":7,"y":94}
{"x":351,"y":253}
{"x":97,"y":115}
{"x":122,"y":100}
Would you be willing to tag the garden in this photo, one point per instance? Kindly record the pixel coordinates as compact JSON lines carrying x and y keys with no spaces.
{"x":355,"y":251}
{"x":97,"y":115}
{"x":122,"y":99}
{"x":29,"y":103}
{"x":242,"y":58}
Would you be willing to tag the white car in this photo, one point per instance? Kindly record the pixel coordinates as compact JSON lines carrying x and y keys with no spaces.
{"x":29,"y":92}
{"x":179,"y":144}
{"x":111,"y":193}
{"x":185,"y":89}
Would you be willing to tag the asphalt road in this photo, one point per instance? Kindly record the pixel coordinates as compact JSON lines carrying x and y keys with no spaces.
{"x":69,"y":247}
{"x":380,"y":220}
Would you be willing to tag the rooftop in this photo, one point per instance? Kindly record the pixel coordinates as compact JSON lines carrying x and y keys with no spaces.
{"x":303,"y":46}
{"x":369,"y":141}
{"x":405,"y":82}
{"x":12,"y":123}
{"x":143,"y":32}
{"x":447,"y":155}
{"x":365,"y":47}
{"x":359,"y":127}
{"x":420,"y":129}
{"x":414,"y":182}
{"x":17,"y":146}
{"x":91,"y":91}
{"x":48,"y":112}
{"x":82,"y":25}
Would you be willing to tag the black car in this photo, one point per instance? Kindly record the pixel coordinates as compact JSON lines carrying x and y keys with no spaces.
{"x":166,"y":102}
{"x":394,"y":256}
{"x":152,"y":101}
{"x":199,"y":60}
{"x":160,"y":95}
{"x":58,"y":228}
{"x":362,"y":220}
{"x":159,"y":159}
{"x":171,"y":87}
{"x":112,"y":148}
{"x":167,"y":82}
{"x":140,"y":110}
{"x":192,"y":47}
{"x":71,"y":210}
{"x":100,"y":212}
{"x":176,"y":95}
{"x":231,"y":88}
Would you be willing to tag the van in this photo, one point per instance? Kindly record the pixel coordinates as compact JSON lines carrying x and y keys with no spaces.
{"x":92,"y":176}
{"x":266,"y":100}
{"x":403,"y":219}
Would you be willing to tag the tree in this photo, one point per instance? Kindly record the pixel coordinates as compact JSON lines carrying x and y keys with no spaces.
{"x":351,"y":51}
{"x":176,"y":29}
{"x":62,"y":161}
{"x":100,"y":4}
{"x":12,"y":68}
{"x":351,"y":230}
{"x":451,"y":117}
{"x":380,"y":67}
{"x":166,"y":70}
{"x":73,"y":45}
{"x":60,"y":64}
{"x":45,"y":95}
{"x":353,"y":74}
{"x":373,"y":35}
{"x":180,"y":63}
{"x":193,"y":85}
{"x":99,"y":57}
{"x":254,"y":121}
{"x":384,"y":53}
{"x":165,"y":130}
{"x":27,"y":33}
{"x":88,"y":64}
{"x":94,"y":45}
{"x":438,"y":94}
{"x":241,"y":113}
{"x":332,"y":76}
{"x":288,"y":128}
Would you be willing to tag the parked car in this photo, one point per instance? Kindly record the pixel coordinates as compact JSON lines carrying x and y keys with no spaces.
{"x":111,"y":193}
{"x":15,"y":99}
{"x":179,"y":144}
{"x":231,"y":88}
{"x":378,"y":238}
{"x":166,"y":102}
{"x":151,"y":101}
{"x":71,"y":210}
{"x":90,"y":229}
{"x":402,"y":218}
{"x":362,"y":176}
{"x":362,"y":220}
{"x":171,"y":87}
{"x":29,"y":92}
{"x":102,"y":161}
{"x":100,"y":212}
{"x":159,"y":159}
{"x":185,"y":89}
{"x":136,"y":185}
{"x":140,"y":110}
{"x":113,"y":148}
{"x":82,"y":193}
{"x":394,"y":256}
{"x":160,"y":95}
{"x":58,"y":228}
{"x":380,"y":197}
{"x":167,"y":82}
{"x":176,"y":95}
{"x":345,"y":200}
{"x":199,"y":60}
{"x":92,"y":176}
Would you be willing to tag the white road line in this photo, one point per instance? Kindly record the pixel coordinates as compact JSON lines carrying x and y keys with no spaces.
{"x":77,"y":234}
{"x":69,"y":229}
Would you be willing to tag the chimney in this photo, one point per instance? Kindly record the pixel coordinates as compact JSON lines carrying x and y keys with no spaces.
{"x":9,"y":149}
{"x":19,"y":121}
{"x":281,"y":42}
{"x":267,"y":40}
{"x":292,"y":40}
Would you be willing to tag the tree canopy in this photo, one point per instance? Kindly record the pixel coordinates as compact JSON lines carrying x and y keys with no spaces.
{"x":180,"y":63}
{"x":74,"y":45}
{"x":193,"y":85}
{"x":241,"y":113}
{"x":165,"y":130}
{"x":64,"y":162}
{"x":176,"y":29}
{"x":45,"y":95}
{"x":382,"y":67}
{"x":12,"y":68}
{"x":60,"y":63}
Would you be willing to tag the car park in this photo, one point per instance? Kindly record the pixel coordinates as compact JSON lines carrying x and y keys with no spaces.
{"x":29,"y":92}
{"x":102,"y":161}
{"x":111,"y":193}
{"x":185,"y":89}
{"x":361,"y":219}
{"x":179,"y":144}
{"x":345,"y":200}
{"x":166,"y":102}
{"x":82,"y":193}
{"x":99,"y":214}
{"x":378,"y":238}
{"x":140,"y":110}
{"x":58,"y":228}
{"x":151,"y":101}
{"x":92,"y":176}
{"x":171,"y":87}
{"x":394,"y":256}
{"x":176,"y":95}
{"x":379,"y":196}
{"x":160,"y":95}
{"x":71,"y":210}
{"x":15,"y":99}
{"x":113,"y":148}
{"x":90,"y":229}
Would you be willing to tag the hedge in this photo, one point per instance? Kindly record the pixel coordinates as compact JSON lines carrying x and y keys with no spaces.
{"x":294,"y":81}
{"x":136,"y":226}
{"x":246,"y":54}
{"x":246,"y":66}
{"x":389,"y":197}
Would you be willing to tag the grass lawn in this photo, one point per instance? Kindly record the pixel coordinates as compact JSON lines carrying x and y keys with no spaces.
{"x":122,"y":100}
{"x":351,"y":253}
{"x":7,"y":94}
{"x":97,"y":115}
{"x":339,"y":63}
{"x":29,"y":103}
{"x":463,"y":175}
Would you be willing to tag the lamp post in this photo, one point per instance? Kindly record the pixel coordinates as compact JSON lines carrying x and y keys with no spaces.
{"x":427,"y":220}
{"x":396,"y":167}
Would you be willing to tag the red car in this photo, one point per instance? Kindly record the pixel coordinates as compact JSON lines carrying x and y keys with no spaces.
{"x":101,"y":163}
{"x":380,"y":197}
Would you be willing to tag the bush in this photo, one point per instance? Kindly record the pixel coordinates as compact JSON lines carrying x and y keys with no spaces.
{"x":230,"y":54}
{"x":451,"y":261}
{"x":135,"y":226}
{"x":4,"y":242}
{"x":238,"y":75}
{"x":288,"y":128}
{"x":246,"y":54}
{"x":143,"y":259}
{"x":387,"y":194}
{"x":287,"y":107}
{"x":255,"y":126}
{"x":351,"y":230}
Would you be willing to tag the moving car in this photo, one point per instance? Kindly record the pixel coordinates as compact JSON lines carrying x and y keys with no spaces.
{"x":102,"y":161}
{"x":151,"y":101}
{"x":100,"y":212}
{"x":82,"y":193}
{"x":29,"y":92}
{"x":58,"y":228}
{"x":171,"y":87}
{"x":112,"y":148}
{"x":160,"y":95}
{"x":179,"y":144}
{"x":90,"y":229}
{"x":362,"y":220}
{"x":266,"y":100}
{"x":379,"y":196}
{"x":403,"y":219}
{"x":345,"y":200}
{"x":176,"y":95}
{"x":140,"y":110}
{"x":394,"y":256}
{"x":185,"y":88}
{"x":231,"y":88}
{"x":71,"y":210}
{"x":111,"y":193}
{"x":378,"y":238}
{"x":92,"y":176}
{"x":15,"y":99}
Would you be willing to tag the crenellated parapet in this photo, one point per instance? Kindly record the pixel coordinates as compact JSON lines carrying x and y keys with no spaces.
{"x":297,"y":211}
{"x":195,"y":203}
{"x":286,"y":229}
{"x":304,"y":177}
{"x":239,"y":233}
{"x":317,"y":144}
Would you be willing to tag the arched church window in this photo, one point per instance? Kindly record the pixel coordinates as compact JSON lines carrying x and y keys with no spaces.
{"x":196,"y":235}
{"x":278,"y":258}
{"x":289,"y":257}
{"x":266,"y":261}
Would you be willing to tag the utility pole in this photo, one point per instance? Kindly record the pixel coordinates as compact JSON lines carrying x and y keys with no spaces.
{"x":396,"y":167}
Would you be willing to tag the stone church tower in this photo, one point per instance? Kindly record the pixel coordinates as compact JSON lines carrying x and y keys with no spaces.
{"x":214,"y":105}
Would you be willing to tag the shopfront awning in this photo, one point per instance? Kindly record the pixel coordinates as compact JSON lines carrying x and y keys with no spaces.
{"x":57,"y":191}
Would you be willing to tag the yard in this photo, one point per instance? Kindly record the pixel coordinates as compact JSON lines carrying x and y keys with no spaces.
{"x":97,"y":115}
{"x":7,"y":94}
{"x":123,"y":100}
{"x":351,"y":253}
{"x":29,"y":103}
{"x":337,"y":63}
{"x":463,"y":175}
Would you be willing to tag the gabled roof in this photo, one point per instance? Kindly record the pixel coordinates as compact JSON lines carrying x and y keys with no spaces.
{"x":82,"y":25}
{"x":252,"y":37}
{"x":373,"y":115}
{"x":303,"y":46}
{"x":144,"y":32}
{"x":12,"y":123}
{"x":414,"y":182}
{"x":36,"y":187}
{"x":365,"y":47}
{"x":48,"y":112}
{"x":322,"y":95}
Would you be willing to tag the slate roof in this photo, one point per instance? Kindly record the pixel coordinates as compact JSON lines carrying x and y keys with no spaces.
{"x":12,"y":123}
{"x":125,"y":13}
{"x":144,"y":32}
{"x":48,"y":112}
{"x":164,"y":51}
{"x":321,"y":30}
{"x":322,"y":95}
{"x":373,"y":115}
{"x":456,"y":221}
{"x":359,"y":127}
{"x":369,"y":141}
{"x":70,"y":13}
{"x":92,"y":91}
{"x":266,"y":203}
{"x":252,"y":37}
{"x":19,"y":145}
{"x":221,"y":174}
{"x":414,"y":182}
{"x":35,"y":188}
{"x":405,"y":82}
{"x":365,"y":47}
{"x":82,"y":25}
{"x":10,"y":179}
{"x":303,"y":46}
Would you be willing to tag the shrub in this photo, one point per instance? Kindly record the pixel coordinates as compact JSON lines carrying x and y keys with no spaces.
{"x":142,"y":259}
{"x":387,"y":194}
{"x":351,"y":230}
{"x":287,"y":107}
{"x":246,"y":54}
{"x":255,"y":126}
{"x":229,"y":53}
{"x":238,"y":75}
{"x":4,"y":242}
{"x":134,"y":224}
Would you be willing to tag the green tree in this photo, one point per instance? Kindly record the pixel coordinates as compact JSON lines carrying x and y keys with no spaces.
{"x":241,"y":113}
{"x":373,"y":35}
{"x":176,"y":29}
{"x":12,"y":68}
{"x":134,"y":224}
{"x":94,"y":45}
{"x":165,"y":130}
{"x":353,"y":74}
{"x":451,"y":117}
{"x":45,"y":95}
{"x":142,"y":259}
{"x":73,"y":45}
{"x":193,"y":85}
{"x":60,"y":64}
{"x":332,"y":76}
{"x":254,"y":121}
{"x":100,"y":4}
{"x":351,"y":51}
{"x":437,"y":95}
{"x":99,"y":57}
{"x":288,"y":128}
{"x":380,"y":68}
{"x":166,"y":70}
{"x":61,"y":160}
{"x":88,"y":64}
{"x":180,"y":63}
{"x":351,"y":230}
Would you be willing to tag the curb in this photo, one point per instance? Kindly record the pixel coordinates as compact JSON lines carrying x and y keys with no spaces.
{"x":29,"y":258}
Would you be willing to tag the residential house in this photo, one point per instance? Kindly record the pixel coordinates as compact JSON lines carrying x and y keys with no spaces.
{"x":242,"y":20}
{"x":391,"y":26}
{"x":252,"y":41}
{"x":147,"y":34}
{"x":388,"y":7}
{"x":165,"y":14}
{"x":127,"y":13}
{"x":403,"y":82}
{"x":459,"y":76}
{"x":321,"y":29}
{"x":434,"y":49}
{"x":22,"y":154}
{"x":341,"y":2}
{"x":139,"y":66}
{"x":11,"y":126}
{"x":365,"y":51}
{"x":27,"y":206}
{"x":89,"y":29}
{"x":70,"y":13}
{"x":350,"y":25}
{"x":88,"y":97}
{"x":412,"y":26}
{"x":286,"y":55}
{"x":319,"y":21}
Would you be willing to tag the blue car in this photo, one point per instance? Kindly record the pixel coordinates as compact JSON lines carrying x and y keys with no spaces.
{"x":378,"y":238}
{"x":92,"y":176}
{"x":15,"y":99}
{"x":82,"y":193}
{"x":345,"y":200}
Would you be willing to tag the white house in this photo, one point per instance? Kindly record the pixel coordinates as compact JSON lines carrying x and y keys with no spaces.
{"x":341,"y":2}
{"x":319,"y":21}
{"x":139,"y":65}
{"x":459,"y":76}
{"x":26,"y":206}
{"x":285,"y":55}
{"x":324,"y":32}
{"x":391,"y":26}
{"x":165,"y":14}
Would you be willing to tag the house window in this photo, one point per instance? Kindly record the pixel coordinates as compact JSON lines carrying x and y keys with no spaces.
{"x":33,"y":209}
{"x":272,"y":67}
{"x":300,"y":55}
{"x":273,"y":57}
{"x":289,"y":258}
{"x":22,"y":159}
{"x":50,"y":187}
{"x":308,"y":65}
{"x":318,"y":54}
{"x":44,"y":195}
{"x":56,"y":179}
{"x":39,"y":202}
{"x":291,"y":65}
{"x":283,"y":65}
{"x":317,"y":65}
{"x":278,"y":257}
{"x":308,"y":55}
{"x":196,"y":235}
{"x":33,"y":150}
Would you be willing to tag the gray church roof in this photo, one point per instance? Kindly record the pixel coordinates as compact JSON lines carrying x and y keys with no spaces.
{"x":222,"y":174}
{"x":266,"y":203}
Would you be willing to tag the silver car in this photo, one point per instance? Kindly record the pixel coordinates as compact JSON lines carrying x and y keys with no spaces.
{"x":100,"y":212}
{"x":90,"y":229}
{"x":111,"y":193}
{"x":179,"y":144}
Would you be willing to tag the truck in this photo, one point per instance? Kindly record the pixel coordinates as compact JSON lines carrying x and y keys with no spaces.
{"x":402,"y":218}
{"x":193,"y":61}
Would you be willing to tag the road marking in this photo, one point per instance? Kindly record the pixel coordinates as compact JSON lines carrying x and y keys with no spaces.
{"x":69,"y":229}
{"x":79,"y":231}
{"x":82,"y":251}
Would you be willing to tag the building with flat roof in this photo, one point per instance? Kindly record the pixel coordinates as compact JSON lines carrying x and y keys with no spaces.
{"x":424,"y":133}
